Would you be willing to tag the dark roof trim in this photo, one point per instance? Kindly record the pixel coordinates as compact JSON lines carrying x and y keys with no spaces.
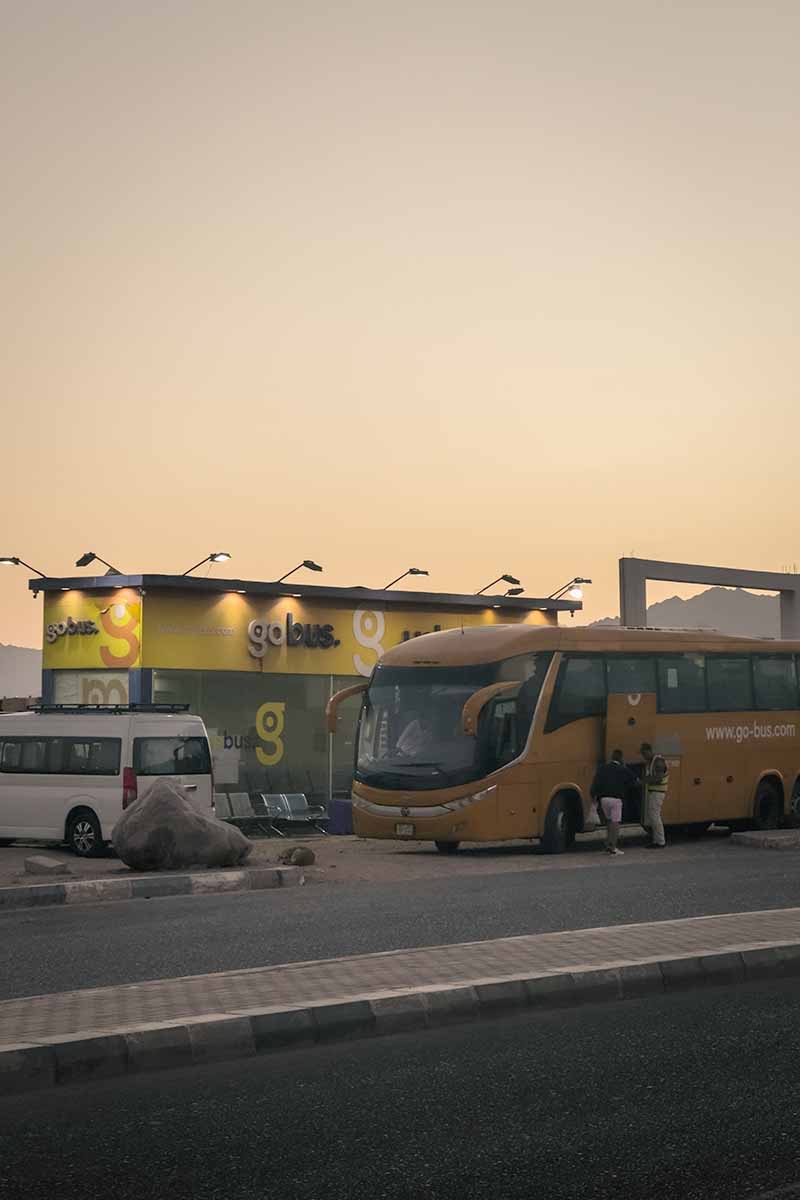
{"x":189,"y":583}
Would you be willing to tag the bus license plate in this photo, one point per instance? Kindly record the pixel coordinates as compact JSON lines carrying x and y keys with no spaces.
{"x":404,"y":830}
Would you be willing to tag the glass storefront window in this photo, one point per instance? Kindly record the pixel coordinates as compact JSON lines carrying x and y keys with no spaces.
{"x":267,"y":732}
{"x":90,"y":687}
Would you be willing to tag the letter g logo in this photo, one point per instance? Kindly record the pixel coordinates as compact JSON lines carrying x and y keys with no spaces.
{"x":369,"y":627}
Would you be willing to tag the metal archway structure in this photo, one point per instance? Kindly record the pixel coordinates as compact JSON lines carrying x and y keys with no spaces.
{"x":635,"y":572}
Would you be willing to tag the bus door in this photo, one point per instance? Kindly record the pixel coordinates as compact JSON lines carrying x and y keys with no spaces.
{"x":630,"y":720}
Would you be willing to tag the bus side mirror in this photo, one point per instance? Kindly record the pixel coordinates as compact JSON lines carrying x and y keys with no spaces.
{"x":478,"y":700}
{"x":335,"y":700}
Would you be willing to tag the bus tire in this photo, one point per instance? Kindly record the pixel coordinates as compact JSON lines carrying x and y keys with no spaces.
{"x":794,"y":804}
{"x":559,"y":825}
{"x":768,"y":810}
{"x":84,"y":835}
{"x":696,"y":829}
{"x":447,"y":847}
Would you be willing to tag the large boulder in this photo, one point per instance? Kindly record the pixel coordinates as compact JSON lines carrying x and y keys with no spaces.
{"x":162,"y":830}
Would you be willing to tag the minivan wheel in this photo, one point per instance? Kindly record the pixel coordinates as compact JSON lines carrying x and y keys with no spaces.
{"x":447,"y":847}
{"x":84,"y":835}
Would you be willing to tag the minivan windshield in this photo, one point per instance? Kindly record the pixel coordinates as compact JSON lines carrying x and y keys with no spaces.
{"x":410,"y":734}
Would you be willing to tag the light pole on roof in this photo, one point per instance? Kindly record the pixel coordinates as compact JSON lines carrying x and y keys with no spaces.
{"x":503,"y":578}
{"x":217,"y":556}
{"x":410,"y":571}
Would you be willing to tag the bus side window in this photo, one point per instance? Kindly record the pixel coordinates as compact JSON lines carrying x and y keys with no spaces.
{"x":775,"y":681}
{"x":631,"y":674}
{"x":681,"y":683}
{"x":580,"y":690}
{"x":730,"y":684}
{"x":502,"y":742}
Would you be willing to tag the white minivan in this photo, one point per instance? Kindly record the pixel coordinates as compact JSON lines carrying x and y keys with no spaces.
{"x":67,"y":772}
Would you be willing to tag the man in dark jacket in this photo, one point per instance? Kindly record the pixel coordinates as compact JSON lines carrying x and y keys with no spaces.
{"x":612,"y":784}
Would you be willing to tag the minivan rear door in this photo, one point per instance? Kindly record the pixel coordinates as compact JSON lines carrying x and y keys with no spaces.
{"x":177,"y":749}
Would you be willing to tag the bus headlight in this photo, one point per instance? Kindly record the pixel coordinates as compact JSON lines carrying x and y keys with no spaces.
{"x":465,"y":801}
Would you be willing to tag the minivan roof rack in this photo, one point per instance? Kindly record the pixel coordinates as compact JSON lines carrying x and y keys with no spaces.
{"x":108,"y":708}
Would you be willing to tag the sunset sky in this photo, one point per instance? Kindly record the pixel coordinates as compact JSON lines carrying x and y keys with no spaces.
{"x":478,"y":286}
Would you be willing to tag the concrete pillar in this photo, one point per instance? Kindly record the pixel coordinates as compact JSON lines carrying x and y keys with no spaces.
{"x":790,"y":614}
{"x":632,"y":593}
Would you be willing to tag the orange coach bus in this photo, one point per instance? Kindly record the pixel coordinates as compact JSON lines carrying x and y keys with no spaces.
{"x":492,"y":733}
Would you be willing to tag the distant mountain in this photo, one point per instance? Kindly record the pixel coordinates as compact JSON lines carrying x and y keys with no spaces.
{"x":730,"y":610}
{"x":20,"y":671}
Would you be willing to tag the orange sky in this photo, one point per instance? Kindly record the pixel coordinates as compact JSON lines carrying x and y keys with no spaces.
{"x":475,"y":286}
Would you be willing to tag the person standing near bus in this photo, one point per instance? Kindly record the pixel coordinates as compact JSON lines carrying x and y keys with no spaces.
{"x":612,"y":784}
{"x":655,"y":784}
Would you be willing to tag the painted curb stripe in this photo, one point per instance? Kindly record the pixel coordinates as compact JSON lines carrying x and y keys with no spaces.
{"x":93,"y":891}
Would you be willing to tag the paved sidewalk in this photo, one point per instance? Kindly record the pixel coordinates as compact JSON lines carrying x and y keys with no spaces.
{"x":96,"y":1011}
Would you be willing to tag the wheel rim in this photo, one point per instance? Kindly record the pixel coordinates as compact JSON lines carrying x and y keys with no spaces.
{"x":83,"y":837}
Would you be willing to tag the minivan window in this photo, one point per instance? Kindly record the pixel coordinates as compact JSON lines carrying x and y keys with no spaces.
{"x":23,"y":756}
{"x":89,"y":756}
{"x":60,"y":756}
{"x":171,"y":756}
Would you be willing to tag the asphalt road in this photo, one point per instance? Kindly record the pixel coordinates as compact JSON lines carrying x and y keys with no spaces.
{"x":690,"y":1096}
{"x":57,"y":949}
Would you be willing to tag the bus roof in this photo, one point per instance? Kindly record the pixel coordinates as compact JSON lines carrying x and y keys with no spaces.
{"x":490,"y":643}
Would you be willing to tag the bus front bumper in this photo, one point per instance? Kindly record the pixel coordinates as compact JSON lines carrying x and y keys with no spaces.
{"x":471,"y":818}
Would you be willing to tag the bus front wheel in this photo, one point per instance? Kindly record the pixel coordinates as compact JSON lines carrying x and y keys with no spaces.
{"x":447,"y":847}
{"x":559,"y":826}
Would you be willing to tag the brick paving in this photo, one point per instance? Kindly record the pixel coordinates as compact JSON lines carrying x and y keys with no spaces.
{"x":295,"y":985}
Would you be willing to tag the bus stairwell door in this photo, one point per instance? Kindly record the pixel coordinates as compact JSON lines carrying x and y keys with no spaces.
{"x":630,"y":720}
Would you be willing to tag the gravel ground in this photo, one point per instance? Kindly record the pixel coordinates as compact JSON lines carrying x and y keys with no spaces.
{"x":351,"y":859}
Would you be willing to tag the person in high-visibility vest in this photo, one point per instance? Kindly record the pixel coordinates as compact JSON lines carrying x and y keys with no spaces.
{"x":655,"y":781}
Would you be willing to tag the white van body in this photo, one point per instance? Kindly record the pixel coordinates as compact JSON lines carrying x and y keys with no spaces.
{"x":67,"y":774}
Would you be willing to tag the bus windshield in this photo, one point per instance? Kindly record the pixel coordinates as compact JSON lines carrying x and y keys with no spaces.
{"x":410,"y":734}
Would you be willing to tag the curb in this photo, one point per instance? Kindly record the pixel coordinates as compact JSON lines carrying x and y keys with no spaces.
{"x":774,"y":839}
{"x":223,"y":1037}
{"x":146,"y":887}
